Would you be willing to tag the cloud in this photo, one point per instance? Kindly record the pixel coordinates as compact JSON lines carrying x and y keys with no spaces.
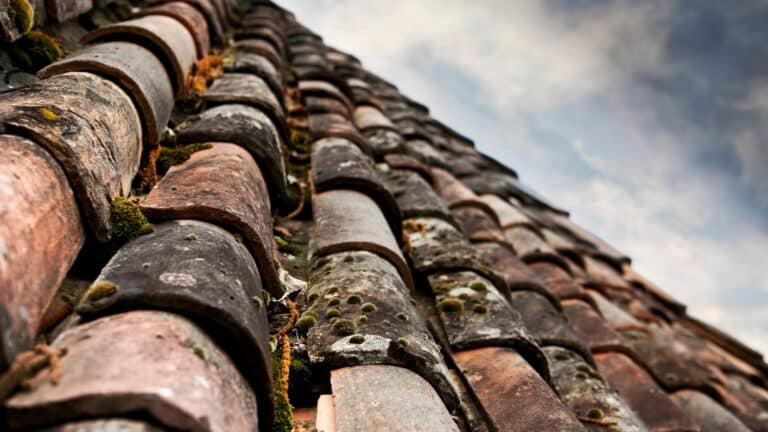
{"x":648,"y":120}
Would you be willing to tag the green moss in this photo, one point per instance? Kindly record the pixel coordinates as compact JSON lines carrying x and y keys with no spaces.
{"x":190,"y":237}
{"x":464,"y":296}
{"x":332,"y":313}
{"x":344,"y":327}
{"x":23,"y":15}
{"x":357,"y":339}
{"x":283,"y":410}
{"x":312,"y":297}
{"x":334,"y":302}
{"x":480,"y":309}
{"x":402,"y":317}
{"x":101,"y":289}
{"x":305,"y":323}
{"x":170,"y":156}
{"x":450,"y":305}
{"x":562,"y":355}
{"x":200,"y":352}
{"x":363,"y":319}
{"x":128,"y":222}
{"x":300,"y":141}
{"x":403,"y":342}
{"x":369,"y":307}
{"x":48,"y":114}
{"x":35,"y":51}
{"x":595,"y":413}
{"x":349,"y":259}
{"x":354,"y":299}
{"x":478,"y":286}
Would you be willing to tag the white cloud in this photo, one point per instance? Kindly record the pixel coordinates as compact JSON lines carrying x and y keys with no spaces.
{"x":570,"y":73}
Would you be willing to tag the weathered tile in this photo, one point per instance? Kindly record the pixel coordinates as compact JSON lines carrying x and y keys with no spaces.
{"x":435,"y":245}
{"x":710,"y":353}
{"x":633,"y":277}
{"x":271,"y":35}
{"x":657,"y":410}
{"x":325,"y":421}
{"x":247,"y":62}
{"x":425,"y":152}
{"x":166,"y":37}
{"x":338,"y":163}
{"x":668,"y":360}
{"x":601,"y":273}
{"x":414,"y":196}
{"x":475,"y":314}
{"x":603,"y":248}
{"x":92,"y":129}
{"x":112,"y":425}
{"x":223,"y":186}
{"x":724,"y":341}
{"x":373,"y":398}
{"x":63,"y":10}
{"x":594,"y":332}
{"x":476,"y":224}
{"x":707,"y":413}
{"x":15,"y":21}
{"x":40,"y":237}
{"x":747,"y":401}
{"x":368,"y":117}
{"x":189,"y":383}
{"x":325,"y":105}
{"x":335,"y":125}
{"x":190,"y":17}
{"x":517,"y":274}
{"x":347,"y":220}
{"x":211,"y":279}
{"x":248,"y":89}
{"x":587,"y":394}
{"x":138,"y":72}
{"x":405,"y":162}
{"x":455,"y":194}
{"x":545,"y":323}
{"x":323,"y":88}
{"x":262,"y":48}
{"x":528,"y":242}
{"x":344,"y":288}
{"x":615,"y":316}
{"x":507,"y":214}
{"x":384,"y":141}
{"x":515,"y":397}
{"x":557,"y":280}
{"x":212,"y":17}
{"x":249,"y":128}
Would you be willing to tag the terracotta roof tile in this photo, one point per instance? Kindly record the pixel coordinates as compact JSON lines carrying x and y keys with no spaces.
{"x":707,"y":413}
{"x":187,"y":15}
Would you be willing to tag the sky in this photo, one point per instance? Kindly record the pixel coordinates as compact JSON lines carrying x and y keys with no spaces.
{"x":647,"y":120}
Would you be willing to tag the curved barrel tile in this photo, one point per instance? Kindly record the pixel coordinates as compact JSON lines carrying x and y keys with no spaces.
{"x":223,"y":186}
{"x":384,"y":141}
{"x":591,"y":327}
{"x":455,"y":194}
{"x":213,"y":18}
{"x":652,"y":404}
{"x":707,"y":413}
{"x":325,"y":105}
{"x":136,"y":70}
{"x":190,"y":383}
{"x":190,"y":17}
{"x":347,"y":220}
{"x":167,"y":37}
{"x":40,"y":237}
{"x":111,"y":425}
{"x":513,"y":395}
{"x":363,"y":314}
{"x":517,"y":274}
{"x":368,"y":117}
{"x":426,"y":153}
{"x":414,"y":196}
{"x":251,"y":90}
{"x":336,"y":126}
{"x":588,"y":395}
{"x":338,"y":163}
{"x":405,"y":162}
{"x":246,"y":62}
{"x":507,"y":214}
{"x":373,"y":398}
{"x":476,"y":224}
{"x":91,"y":127}
{"x":63,"y":10}
{"x":269,"y":34}
{"x":249,"y":128}
{"x":210,"y":279}
{"x":475,"y":314}
{"x":262,"y":48}
{"x":326,"y":89}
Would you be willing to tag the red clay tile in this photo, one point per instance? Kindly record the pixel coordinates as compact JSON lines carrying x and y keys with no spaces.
{"x":223,"y":186}
{"x":346,"y":220}
{"x":212,"y":280}
{"x":545,"y":323}
{"x":515,"y":397}
{"x":271,"y":35}
{"x":190,"y":17}
{"x":506,"y":213}
{"x":588,"y":395}
{"x":91,"y":127}
{"x":601,"y":273}
{"x":747,"y":401}
{"x":528,"y":242}
{"x":651,"y":403}
{"x":137,"y":71}
{"x":476,"y":224}
{"x":335,"y":125}
{"x":241,"y":61}
{"x":724,"y":341}
{"x":323,"y":88}
{"x":344,"y":288}
{"x":456,"y":194}
{"x":414,"y":196}
{"x":212,"y":18}
{"x":368,"y":117}
{"x":473,"y":314}
{"x":40,"y":237}
{"x":338,"y":163}
{"x":517,"y":274}
{"x":262,"y":48}
{"x":595,"y":333}
{"x":248,"y":89}
{"x":189,"y":383}
{"x":631,"y":276}
{"x":165,"y":36}
{"x":436,"y":245}
{"x":708,"y":414}
{"x":63,"y":10}
{"x":249,"y":128}
{"x":325,"y":105}
{"x":405,"y":162}
{"x":556,"y":279}
{"x":603,"y":248}
{"x":373,"y":398}
{"x":613,"y":315}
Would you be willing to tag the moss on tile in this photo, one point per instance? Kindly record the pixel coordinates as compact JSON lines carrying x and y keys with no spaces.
{"x":23,"y":15}
{"x":101,"y":289}
{"x":344,"y":327}
{"x":170,"y":156}
{"x":128,"y":222}
{"x":35,"y":51}
{"x":450,"y":305}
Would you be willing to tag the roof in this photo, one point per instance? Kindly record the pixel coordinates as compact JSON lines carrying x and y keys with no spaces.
{"x":212,"y":221}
